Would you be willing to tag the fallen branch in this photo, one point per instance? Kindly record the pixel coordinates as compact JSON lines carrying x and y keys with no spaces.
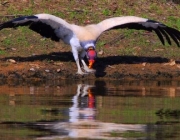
{"x":4,"y":16}
{"x":113,"y":41}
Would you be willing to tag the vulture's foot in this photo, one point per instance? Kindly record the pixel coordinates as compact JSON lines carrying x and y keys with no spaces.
{"x":89,"y":70}
{"x":80,"y":72}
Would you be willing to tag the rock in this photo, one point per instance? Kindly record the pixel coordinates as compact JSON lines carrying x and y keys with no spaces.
{"x":111,"y":67}
{"x":33,"y":54}
{"x":13,"y":49}
{"x":11,"y":60}
{"x":32,"y":69}
{"x":101,"y":52}
{"x":171,"y":63}
{"x":144,"y":64}
{"x":47,"y":70}
{"x":58,"y":70}
{"x":58,"y":63}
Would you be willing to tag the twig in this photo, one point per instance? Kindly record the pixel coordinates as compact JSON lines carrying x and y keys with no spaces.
{"x":10,"y":15}
{"x":120,"y":37}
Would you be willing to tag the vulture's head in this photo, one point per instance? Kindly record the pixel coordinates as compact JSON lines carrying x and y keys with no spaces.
{"x":91,"y":56}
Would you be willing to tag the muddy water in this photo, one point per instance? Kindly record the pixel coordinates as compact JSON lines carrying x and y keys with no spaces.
{"x":90,"y":110}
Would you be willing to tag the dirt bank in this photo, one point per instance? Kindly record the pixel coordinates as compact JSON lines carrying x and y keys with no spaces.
{"x":112,"y":67}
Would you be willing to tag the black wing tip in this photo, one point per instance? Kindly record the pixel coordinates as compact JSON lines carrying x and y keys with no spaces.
{"x":175,"y":34}
{"x":153,"y":21}
{"x":156,"y":22}
{"x":172,"y":32}
{"x":19,"y":21}
{"x":5,"y":25}
{"x":24,"y":18}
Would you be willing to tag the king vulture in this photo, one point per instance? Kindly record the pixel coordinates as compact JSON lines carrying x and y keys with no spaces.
{"x":82,"y":39}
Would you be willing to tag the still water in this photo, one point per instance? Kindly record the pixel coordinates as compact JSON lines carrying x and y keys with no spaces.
{"x":90,"y":110}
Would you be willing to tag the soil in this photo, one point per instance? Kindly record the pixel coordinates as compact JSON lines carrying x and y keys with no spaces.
{"x":110,"y":67}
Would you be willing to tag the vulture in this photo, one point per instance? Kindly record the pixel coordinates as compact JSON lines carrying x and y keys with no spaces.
{"x":82,"y":39}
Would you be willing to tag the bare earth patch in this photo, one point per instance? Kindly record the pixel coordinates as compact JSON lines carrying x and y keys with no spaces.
{"x":115,"y":67}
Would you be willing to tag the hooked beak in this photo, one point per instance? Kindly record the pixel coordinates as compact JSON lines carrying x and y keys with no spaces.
{"x":91,"y":56}
{"x":91,"y":62}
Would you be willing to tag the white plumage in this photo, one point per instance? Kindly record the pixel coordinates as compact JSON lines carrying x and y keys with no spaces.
{"x":82,"y":39}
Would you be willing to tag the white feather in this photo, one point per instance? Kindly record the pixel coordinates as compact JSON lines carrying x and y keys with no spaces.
{"x":112,"y":22}
{"x":52,"y":19}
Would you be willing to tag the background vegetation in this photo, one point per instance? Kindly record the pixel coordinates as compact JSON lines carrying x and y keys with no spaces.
{"x":23,"y":42}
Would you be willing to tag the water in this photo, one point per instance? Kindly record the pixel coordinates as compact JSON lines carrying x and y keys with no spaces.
{"x":90,"y":110}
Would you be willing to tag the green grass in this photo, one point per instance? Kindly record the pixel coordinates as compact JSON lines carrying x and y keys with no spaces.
{"x":126,"y":51}
{"x":106,"y":12}
{"x":7,"y":42}
{"x":130,"y":134}
{"x":136,"y":110}
{"x":174,"y":22}
{"x":26,"y":11}
{"x":94,"y":11}
{"x":2,"y":52}
{"x":14,"y":39}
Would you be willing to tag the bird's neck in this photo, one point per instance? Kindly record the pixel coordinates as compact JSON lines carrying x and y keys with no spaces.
{"x":87,"y":44}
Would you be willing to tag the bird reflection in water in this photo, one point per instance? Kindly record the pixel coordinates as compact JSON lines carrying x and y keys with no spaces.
{"x":83,"y":108}
{"x":82,"y":122}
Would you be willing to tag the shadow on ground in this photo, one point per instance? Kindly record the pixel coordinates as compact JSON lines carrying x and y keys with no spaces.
{"x":55,"y":56}
{"x":108,"y":60}
{"x":101,"y":62}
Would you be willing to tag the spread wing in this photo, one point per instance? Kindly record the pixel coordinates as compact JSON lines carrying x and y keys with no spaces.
{"x":46,"y":25}
{"x":139,"y":23}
